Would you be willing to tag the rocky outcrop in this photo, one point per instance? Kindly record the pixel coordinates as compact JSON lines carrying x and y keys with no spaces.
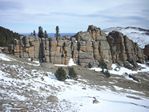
{"x":146,"y":51}
{"x":123,"y":49}
{"x":60,"y":52}
{"x":90,"y":48}
{"x":94,"y":47}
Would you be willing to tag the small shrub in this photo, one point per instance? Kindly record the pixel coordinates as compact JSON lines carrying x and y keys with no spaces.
{"x":107,"y":74}
{"x":89,"y":65}
{"x":103,"y":65}
{"x":72,"y":74}
{"x":60,"y":74}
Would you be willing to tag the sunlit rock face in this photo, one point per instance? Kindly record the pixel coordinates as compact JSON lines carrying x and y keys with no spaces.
{"x":92,"y":47}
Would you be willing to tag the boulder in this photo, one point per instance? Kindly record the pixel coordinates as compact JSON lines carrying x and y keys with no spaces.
{"x":96,"y":33}
{"x":83,"y":36}
{"x":128,"y":65}
{"x":52,"y":99}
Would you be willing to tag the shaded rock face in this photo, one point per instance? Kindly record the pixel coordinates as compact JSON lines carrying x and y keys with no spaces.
{"x":146,"y":51}
{"x":123,"y":49}
{"x":89,"y":49}
{"x":60,"y":52}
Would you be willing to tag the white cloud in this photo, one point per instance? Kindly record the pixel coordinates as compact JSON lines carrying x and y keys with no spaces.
{"x":73,"y":15}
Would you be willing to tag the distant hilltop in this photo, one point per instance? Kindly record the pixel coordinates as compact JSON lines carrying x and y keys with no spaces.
{"x":91,"y":48}
{"x":138,"y":35}
{"x":7,"y":36}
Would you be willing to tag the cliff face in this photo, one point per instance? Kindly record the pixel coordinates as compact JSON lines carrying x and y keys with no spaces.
{"x":94,"y":47}
{"x":124,"y":49}
{"x":146,"y":51}
{"x":90,"y":48}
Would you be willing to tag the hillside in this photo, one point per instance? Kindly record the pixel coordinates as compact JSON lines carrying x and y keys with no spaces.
{"x":138,"y":35}
{"x":7,"y":36}
{"x":27,"y":86}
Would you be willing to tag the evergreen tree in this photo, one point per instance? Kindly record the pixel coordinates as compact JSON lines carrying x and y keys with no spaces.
{"x":45,"y":34}
{"x":104,"y":68}
{"x":34,"y":33}
{"x":72,"y":74}
{"x":40,"y":32}
{"x":89,"y":65}
{"x":41,"y":47}
{"x":60,"y":74}
{"x":7,"y":37}
{"x":57,"y":33}
{"x":41,"y":52}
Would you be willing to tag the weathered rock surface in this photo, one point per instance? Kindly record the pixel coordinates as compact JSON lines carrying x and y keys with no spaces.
{"x":124,"y":50}
{"x":94,"y":47}
{"x":146,"y":51}
{"x":90,"y":48}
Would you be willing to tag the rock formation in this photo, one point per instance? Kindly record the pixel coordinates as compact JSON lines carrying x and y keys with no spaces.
{"x":94,"y":47}
{"x":90,"y":48}
{"x":123,"y":49}
{"x":146,"y":51}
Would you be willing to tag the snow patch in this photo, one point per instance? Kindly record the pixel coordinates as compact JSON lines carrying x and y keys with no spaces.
{"x":4,"y":57}
{"x":121,"y":71}
{"x":96,"y":69}
{"x":117,"y":70}
{"x":141,"y":37}
{"x":70,"y":63}
{"x":82,"y":100}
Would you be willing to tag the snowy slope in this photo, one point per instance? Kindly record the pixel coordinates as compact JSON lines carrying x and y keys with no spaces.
{"x":30,"y":88}
{"x":138,"y":35}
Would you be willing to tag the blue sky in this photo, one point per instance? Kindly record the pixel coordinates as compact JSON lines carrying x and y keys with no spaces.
{"x":72,"y":15}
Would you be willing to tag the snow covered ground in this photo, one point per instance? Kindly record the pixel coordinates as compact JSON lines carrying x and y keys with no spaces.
{"x":5,"y":57}
{"x":123,"y":70}
{"x":33,"y":90}
{"x":108,"y":101}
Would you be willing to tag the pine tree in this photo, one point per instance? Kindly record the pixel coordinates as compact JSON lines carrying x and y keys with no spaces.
{"x":60,"y":74}
{"x":7,"y":36}
{"x":41,"y":47}
{"x":45,"y":34}
{"x":40,"y":32}
{"x":72,"y":74}
{"x":57,"y":33}
{"x":34,"y":33}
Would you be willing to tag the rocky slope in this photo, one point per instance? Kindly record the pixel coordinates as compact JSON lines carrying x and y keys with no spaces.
{"x":25,"y":86}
